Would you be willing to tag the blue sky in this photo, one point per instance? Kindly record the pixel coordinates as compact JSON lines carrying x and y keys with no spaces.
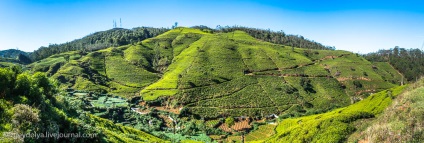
{"x":352,"y":25}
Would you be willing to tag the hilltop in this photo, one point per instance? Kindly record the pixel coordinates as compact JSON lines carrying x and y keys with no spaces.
{"x":12,"y":53}
{"x":13,"y":56}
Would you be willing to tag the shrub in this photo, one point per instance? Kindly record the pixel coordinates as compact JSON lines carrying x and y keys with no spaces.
{"x":357,"y":84}
{"x":306,"y":84}
{"x":229,"y":121}
{"x":24,"y":117}
{"x":23,"y":84}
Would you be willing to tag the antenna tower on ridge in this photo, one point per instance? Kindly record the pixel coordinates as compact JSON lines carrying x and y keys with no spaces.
{"x":114,"y":24}
{"x":422,"y":46}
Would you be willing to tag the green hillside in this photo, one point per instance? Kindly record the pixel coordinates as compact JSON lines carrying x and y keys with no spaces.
{"x":197,"y":77}
{"x":235,"y":74}
{"x":409,"y":62}
{"x":224,"y":74}
{"x":393,"y":115}
{"x":402,"y":121}
{"x":12,"y":53}
{"x":32,"y":103}
{"x":13,"y":56}
{"x":332,"y":126}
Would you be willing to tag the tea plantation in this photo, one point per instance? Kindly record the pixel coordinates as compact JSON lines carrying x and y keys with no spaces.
{"x":181,"y":85}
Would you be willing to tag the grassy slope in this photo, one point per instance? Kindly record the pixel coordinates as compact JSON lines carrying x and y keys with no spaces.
{"x":185,"y":54}
{"x":401,"y":122}
{"x":387,"y":72}
{"x":333,"y":126}
{"x":223,"y":73}
{"x":110,"y":70}
{"x":7,"y":64}
{"x":358,"y":69}
{"x":263,"y":131}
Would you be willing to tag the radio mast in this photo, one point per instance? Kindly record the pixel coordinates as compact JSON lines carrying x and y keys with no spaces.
{"x":114,"y":24}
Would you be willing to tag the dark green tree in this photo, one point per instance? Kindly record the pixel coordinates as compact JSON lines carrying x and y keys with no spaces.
{"x":306,"y":84}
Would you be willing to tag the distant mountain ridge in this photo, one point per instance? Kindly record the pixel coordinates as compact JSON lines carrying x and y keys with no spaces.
{"x":12,"y":53}
{"x":14,"y":56}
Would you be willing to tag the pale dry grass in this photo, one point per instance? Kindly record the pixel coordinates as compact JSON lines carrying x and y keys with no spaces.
{"x":402,"y":122}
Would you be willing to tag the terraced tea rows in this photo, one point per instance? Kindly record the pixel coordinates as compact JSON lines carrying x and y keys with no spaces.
{"x":263,"y":132}
{"x":333,"y":126}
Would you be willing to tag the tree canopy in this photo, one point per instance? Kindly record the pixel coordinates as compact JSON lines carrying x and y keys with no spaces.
{"x":99,"y":40}
{"x":410,"y":62}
